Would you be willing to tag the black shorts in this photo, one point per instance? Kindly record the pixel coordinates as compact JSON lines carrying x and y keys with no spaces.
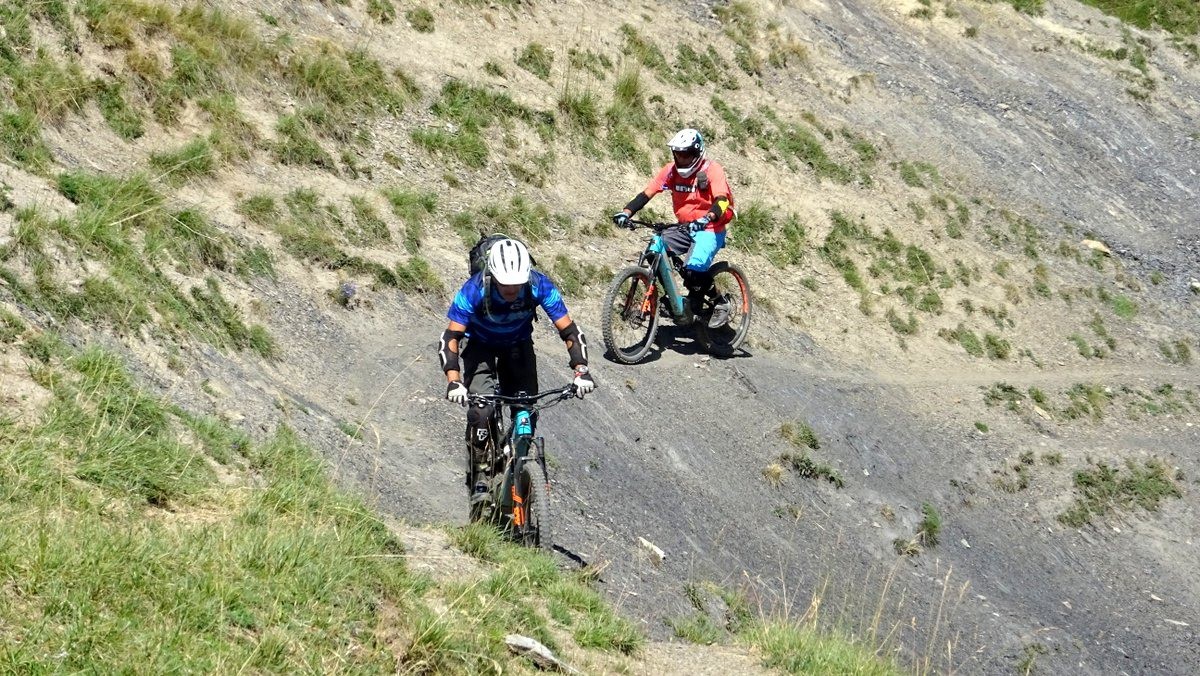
{"x":512,"y":367}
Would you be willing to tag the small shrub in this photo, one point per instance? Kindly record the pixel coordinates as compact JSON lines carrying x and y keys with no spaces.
{"x":382,"y":11}
{"x":800,"y":435}
{"x":903,"y":327}
{"x":930,"y":528}
{"x":1102,"y":488}
{"x":536,"y":59}
{"x":1081,"y":345}
{"x":421,"y":19}
{"x":803,"y":465}
{"x":1176,"y":352}
{"x":297,"y":145}
{"x":417,"y":276}
{"x":1124,"y":307}
{"x":1086,"y":400}
{"x":997,"y":347}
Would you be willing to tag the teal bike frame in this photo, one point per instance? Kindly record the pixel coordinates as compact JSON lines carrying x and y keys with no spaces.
{"x":658,"y":260}
{"x":508,"y":461}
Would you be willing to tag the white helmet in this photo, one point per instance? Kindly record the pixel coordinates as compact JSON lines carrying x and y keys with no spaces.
{"x":687,"y":147}
{"x":508,"y":262}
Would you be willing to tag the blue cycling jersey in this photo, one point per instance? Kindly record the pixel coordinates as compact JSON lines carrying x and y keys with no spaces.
{"x":502,"y":322}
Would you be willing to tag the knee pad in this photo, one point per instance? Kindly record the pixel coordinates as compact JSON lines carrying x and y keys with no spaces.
{"x":477,"y":423}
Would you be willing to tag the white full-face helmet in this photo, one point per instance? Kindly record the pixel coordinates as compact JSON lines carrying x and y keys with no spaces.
{"x":508,"y":262}
{"x":687,"y":147}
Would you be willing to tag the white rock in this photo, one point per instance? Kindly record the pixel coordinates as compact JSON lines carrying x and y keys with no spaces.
{"x":1097,"y":246}
{"x":655,"y":553}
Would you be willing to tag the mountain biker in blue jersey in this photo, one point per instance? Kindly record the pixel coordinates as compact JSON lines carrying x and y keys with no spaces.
{"x":494,"y":311}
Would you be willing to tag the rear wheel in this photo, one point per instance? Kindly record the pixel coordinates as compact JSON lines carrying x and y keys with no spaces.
{"x":731,"y":290}
{"x":629,"y":318}
{"x":534,"y":490}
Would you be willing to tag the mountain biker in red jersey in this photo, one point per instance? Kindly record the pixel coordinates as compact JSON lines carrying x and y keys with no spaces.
{"x":701,"y":199}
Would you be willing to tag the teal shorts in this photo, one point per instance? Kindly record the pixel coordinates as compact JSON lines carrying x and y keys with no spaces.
{"x":705,"y":245}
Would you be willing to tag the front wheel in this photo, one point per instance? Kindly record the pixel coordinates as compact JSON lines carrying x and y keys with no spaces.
{"x":533,"y":520}
{"x":730,"y":294}
{"x":629,"y":317}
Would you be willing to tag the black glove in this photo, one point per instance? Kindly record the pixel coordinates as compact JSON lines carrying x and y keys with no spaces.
{"x":699,"y":224}
{"x":621,"y":220}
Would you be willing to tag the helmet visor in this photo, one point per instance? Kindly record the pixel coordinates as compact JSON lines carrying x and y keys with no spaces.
{"x":685,"y":159}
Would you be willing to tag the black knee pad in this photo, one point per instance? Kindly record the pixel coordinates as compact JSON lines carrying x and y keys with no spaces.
{"x":477,"y":423}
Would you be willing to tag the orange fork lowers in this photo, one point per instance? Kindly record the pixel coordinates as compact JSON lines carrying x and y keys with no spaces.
{"x":648,"y":301}
{"x":518,"y":508}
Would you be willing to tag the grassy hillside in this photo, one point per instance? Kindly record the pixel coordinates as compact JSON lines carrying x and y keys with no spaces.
{"x":167,"y":165}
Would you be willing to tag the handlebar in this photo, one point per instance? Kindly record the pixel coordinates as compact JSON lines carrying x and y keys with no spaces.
{"x":530,"y":400}
{"x":656,"y":227}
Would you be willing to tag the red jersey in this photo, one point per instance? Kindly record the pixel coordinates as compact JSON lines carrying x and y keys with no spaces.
{"x":691,"y":201}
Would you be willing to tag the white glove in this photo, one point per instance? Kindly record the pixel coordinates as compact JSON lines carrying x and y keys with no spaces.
{"x":583,"y":381}
{"x":456,"y":392}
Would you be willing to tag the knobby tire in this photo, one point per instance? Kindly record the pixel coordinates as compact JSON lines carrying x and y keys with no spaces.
{"x":537,"y":531}
{"x":726,"y":340}
{"x":623,"y":313}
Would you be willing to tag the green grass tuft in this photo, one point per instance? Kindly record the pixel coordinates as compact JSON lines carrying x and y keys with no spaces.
{"x":417,"y":276}
{"x":298,"y":146}
{"x":800,"y":435}
{"x":1101,"y":489}
{"x":411,"y":207}
{"x":194,"y":160}
{"x":801,"y":648}
{"x":930,"y":527}
{"x":1124,"y":307}
{"x":536,"y":59}
{"x":421,"y":19}
{"x":117,"y":112}
{"x":382,"y":11}
{"x":21,"y":141}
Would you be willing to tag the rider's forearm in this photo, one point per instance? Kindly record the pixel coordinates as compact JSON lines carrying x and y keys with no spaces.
{"x":635,"y":205}
{"x":576,"y":344}
{"x":448,"y":352}
{"x":717,"y":210}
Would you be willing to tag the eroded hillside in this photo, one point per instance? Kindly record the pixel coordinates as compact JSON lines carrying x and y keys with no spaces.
{"x":970,"y":232}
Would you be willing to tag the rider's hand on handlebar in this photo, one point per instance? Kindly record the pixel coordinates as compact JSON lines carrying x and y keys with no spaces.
{"x":583,"y":382}
{"x":456,"y":392}
{"x":699,"y":224}
{"x":621,"y":220}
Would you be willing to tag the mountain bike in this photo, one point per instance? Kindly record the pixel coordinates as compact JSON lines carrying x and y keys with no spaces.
{"x":640,"y":293}
{"x":517,"y":494}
